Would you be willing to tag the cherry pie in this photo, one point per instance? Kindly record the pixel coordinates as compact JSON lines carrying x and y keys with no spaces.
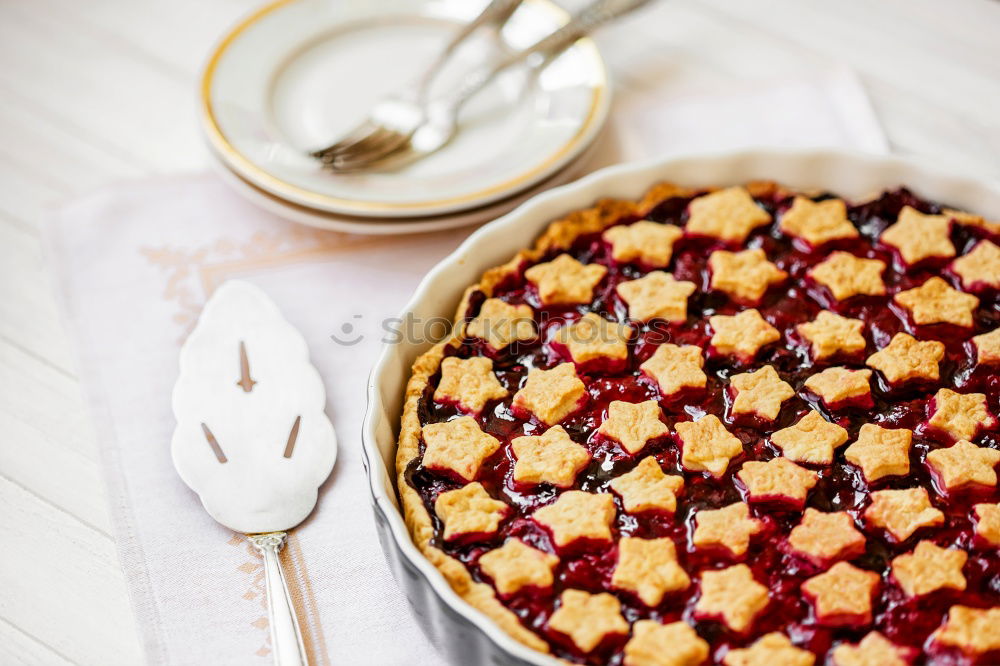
{"x":740,"y":426}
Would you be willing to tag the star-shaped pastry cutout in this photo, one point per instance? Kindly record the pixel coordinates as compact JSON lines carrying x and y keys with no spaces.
{"x":777,"y":480}
{"x":516,"y":565}
{"x":655,"y":644}
{"x":499,"y":323}
{"x":577,"y":514}
{"x":468,"y":383}
{"x":902,"y":512}
{"x":970,"y":220}
{"x":549,"y":458}
{"x":760,"y":393}
{"x":825,"y":538}
{"x":846,"y":275}
{"x":647,"y":488}
{"x":648,"y":568}
{"x":729,"y":528}
{"x":656,"y":295}
{"x":593,"y":338}
{"x":917,"y":236}
{"x":551,"y":395}
{"x":817,"y":222}
{"x":812,"y":440}
{"x":960,"y":415}
{"x":773,"y":649}
{"x":842,"y":596}
{"x":881,"y":452}
{"x":980,"y":268}
{"x":644,"y":242}
{"x":830,"y":334}
{"x":565,"y":281}
{"x":987,"y":522}
{"x":988,"y":347}
{"x":729,"y":215}
{"x":469,"y":513}
{"x":905,"y":358}
{"x":588,"y":618}
{"x":633,"y":424}
{"x":837,"y":386}
{"x":458,"y":446}
{"x":935,"y":302}
{"x":675,"y":368}
{"x":731,"y":595}
{"x":973,"y":630}
{"x":745,"y":276}
{"x":706,"y":445}
{"x":928,"y":568}
{"x":741,"y":335}
{"x":873,"y":650}
{"x":964,"y":464}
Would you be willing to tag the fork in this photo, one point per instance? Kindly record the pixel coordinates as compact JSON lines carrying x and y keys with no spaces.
{"x":421,"y":134}
{"x":385,"y":128}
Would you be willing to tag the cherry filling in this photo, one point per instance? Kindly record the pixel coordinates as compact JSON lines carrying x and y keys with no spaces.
{"x":841,"y":487}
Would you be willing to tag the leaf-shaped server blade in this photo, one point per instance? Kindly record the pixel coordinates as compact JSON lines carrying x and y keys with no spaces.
{"x":241,"y":334}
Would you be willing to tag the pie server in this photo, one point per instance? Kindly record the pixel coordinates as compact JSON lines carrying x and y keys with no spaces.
{"x":252,"y":438}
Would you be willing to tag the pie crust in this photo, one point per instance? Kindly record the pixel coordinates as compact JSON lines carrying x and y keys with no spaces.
{"x":647,"y":488}
{"x":818,"y":222}
{"x":825,"y":538}
{"x":917,"y":237}
{"x":730,"y":528}
{"x":632,"y":425}
{"x":551,"y":457}
{"x":675,"y":430}
{"x":655,"y":644}
{"x":812,"y":440}
{"x":657,"y":295}
{"x":648,"y":568}
{"x":770,"y":650}
{"x":745,"y":276}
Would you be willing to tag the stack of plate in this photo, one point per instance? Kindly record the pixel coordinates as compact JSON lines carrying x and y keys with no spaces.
{"x":297,"y":74}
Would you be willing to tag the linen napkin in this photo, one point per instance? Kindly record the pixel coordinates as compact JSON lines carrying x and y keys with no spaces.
{"x":134,"y":264}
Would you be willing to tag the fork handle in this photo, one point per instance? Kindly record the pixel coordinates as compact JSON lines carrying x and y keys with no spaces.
{"x":582,"y":23}
{"x":585,"y":21}
{"x":495,"y":14}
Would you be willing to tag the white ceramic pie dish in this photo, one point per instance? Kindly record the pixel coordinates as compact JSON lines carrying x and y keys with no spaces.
{"x":463,"y":634}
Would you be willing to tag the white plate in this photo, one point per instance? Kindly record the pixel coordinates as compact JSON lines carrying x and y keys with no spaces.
{"x":299,"y":73}
{"x":852,"y":175}
{"x":381,"y":226}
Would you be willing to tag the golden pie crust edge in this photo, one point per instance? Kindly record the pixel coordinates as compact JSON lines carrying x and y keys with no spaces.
{"x":559,"y":235}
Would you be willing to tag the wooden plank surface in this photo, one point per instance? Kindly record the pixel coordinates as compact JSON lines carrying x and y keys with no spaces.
{"x":99,"y":92}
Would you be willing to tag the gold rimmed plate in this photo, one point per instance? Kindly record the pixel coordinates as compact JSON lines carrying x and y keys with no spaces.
{"x":298,"y":73}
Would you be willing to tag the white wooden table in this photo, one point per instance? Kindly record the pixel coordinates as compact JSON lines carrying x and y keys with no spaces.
{"x":103,"y":91}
